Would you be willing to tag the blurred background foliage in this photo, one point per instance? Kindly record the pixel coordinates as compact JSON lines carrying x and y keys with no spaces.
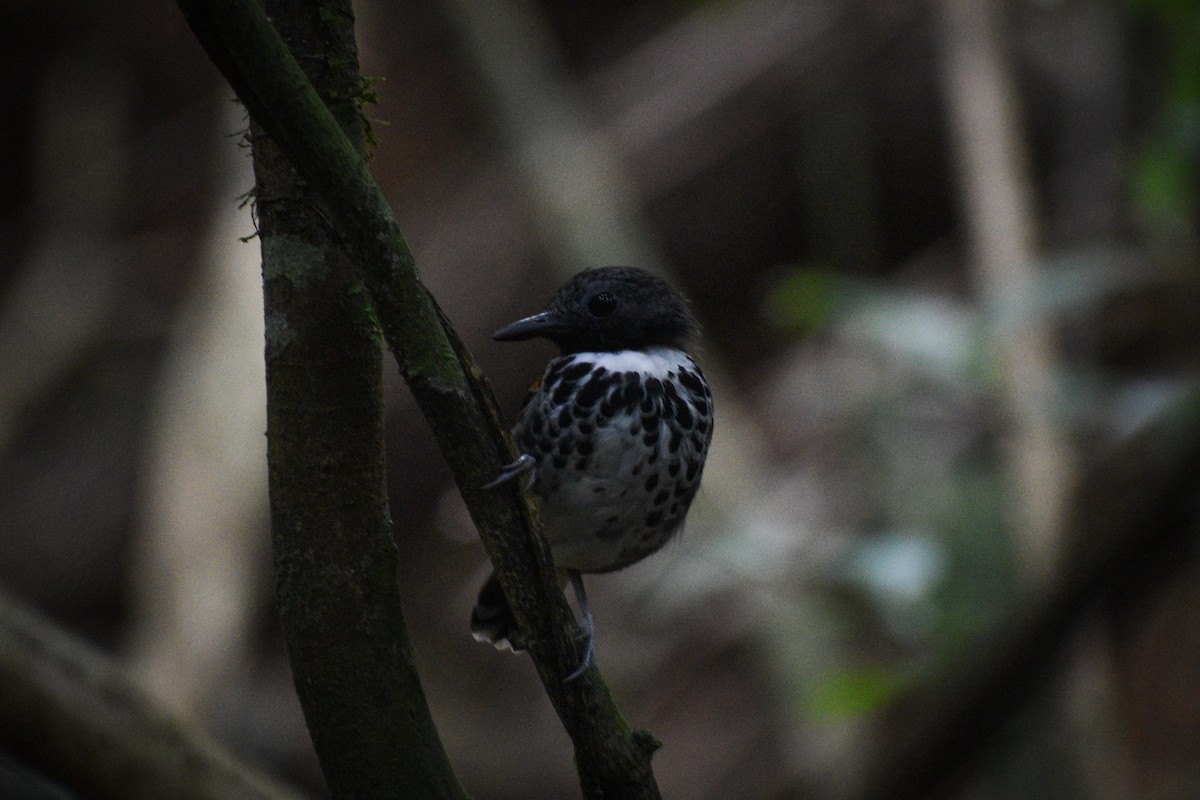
{"x":945,"y":256}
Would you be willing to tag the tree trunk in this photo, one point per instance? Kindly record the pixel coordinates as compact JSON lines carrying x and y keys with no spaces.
{"x":335,"y":559}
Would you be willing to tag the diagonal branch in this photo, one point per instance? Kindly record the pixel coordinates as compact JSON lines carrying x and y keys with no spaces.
{"x":1130,"y":508}
{"x":613,"y":760}
{"x":71,"y":712}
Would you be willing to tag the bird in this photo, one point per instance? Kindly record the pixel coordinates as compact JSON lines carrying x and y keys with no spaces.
{"x":612,"y":438}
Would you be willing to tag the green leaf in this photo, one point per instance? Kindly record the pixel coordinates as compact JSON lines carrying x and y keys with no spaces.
{"x":809,"y":298}
{"x":853,"y":692}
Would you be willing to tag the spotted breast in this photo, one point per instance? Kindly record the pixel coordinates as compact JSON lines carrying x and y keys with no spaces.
{"x":619,"y":441}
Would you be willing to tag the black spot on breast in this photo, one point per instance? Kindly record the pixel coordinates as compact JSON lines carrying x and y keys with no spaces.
{"x":559,"y":462}
{"x":613,"y":520}
{"x":562,"y":390}
{"x":556,"y":368}
{"x":662,"y":497}
{"x":693,"y":467}
{"x":637,"y":470}
{"x":634,"y":429}
{"x":599,"y":489}
{"x":650,"y":459}
{"x":593,"y":390}
{"x":587,"y":428}
{"x":697,"y":441}
{"x":650,"y":421}
{"x":653,"y":518}
{"x":564,"y":417}
{"x":651,"y":482}
{"x":654,"y":388}
{"x":683,"y":414}
{"x":691,"y":382}
{"x":585,"y":447}
{"x":545,"y":445}
{"x":670,"y":391}
{"x":676,"y":440}
{"x":633,"y":392}
{"x":702,"y":425}
{"x":684,"y":489}
{"x":650,"y":438}
{"x":674,"y":509}
{"x":565,"y":448}
{"x":537,"y":423}
{"x":673,"y":469}
{"x":581,"y":465}
{"x":577,"y":370}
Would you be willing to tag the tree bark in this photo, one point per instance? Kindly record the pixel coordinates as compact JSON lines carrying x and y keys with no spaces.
{"x":335,"y":561}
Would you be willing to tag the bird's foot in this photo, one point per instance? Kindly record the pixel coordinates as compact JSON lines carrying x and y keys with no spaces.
{"x":588,"y":634}
{"x":525,"y":464}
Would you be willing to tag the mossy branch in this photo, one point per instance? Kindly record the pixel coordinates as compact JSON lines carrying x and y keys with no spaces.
{"x":613,"y":760}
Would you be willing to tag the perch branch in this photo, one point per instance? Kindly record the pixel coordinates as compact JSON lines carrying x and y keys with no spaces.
{"x":612,"y":759}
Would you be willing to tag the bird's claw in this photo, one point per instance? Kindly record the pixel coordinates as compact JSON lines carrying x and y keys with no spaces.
{"x":587,"y":660}
{"x":524,"y":464}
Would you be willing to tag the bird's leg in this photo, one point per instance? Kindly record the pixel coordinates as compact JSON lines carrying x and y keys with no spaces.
{"x":524,"y":464}
{"x":585,"y":622}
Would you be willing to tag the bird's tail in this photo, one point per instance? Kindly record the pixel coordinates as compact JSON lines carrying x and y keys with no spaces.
{"x":492,"y":621}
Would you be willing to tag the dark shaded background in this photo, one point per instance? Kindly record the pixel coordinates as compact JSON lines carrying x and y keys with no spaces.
{"x":900,"y":420}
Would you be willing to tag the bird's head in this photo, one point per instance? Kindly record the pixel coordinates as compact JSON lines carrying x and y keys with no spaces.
{"x":610,"y":309}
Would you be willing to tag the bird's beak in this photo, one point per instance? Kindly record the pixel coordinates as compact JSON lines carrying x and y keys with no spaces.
{"x":543,"y":324}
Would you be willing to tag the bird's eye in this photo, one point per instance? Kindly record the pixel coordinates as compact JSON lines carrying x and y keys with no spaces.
{"x":602,"y":304}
